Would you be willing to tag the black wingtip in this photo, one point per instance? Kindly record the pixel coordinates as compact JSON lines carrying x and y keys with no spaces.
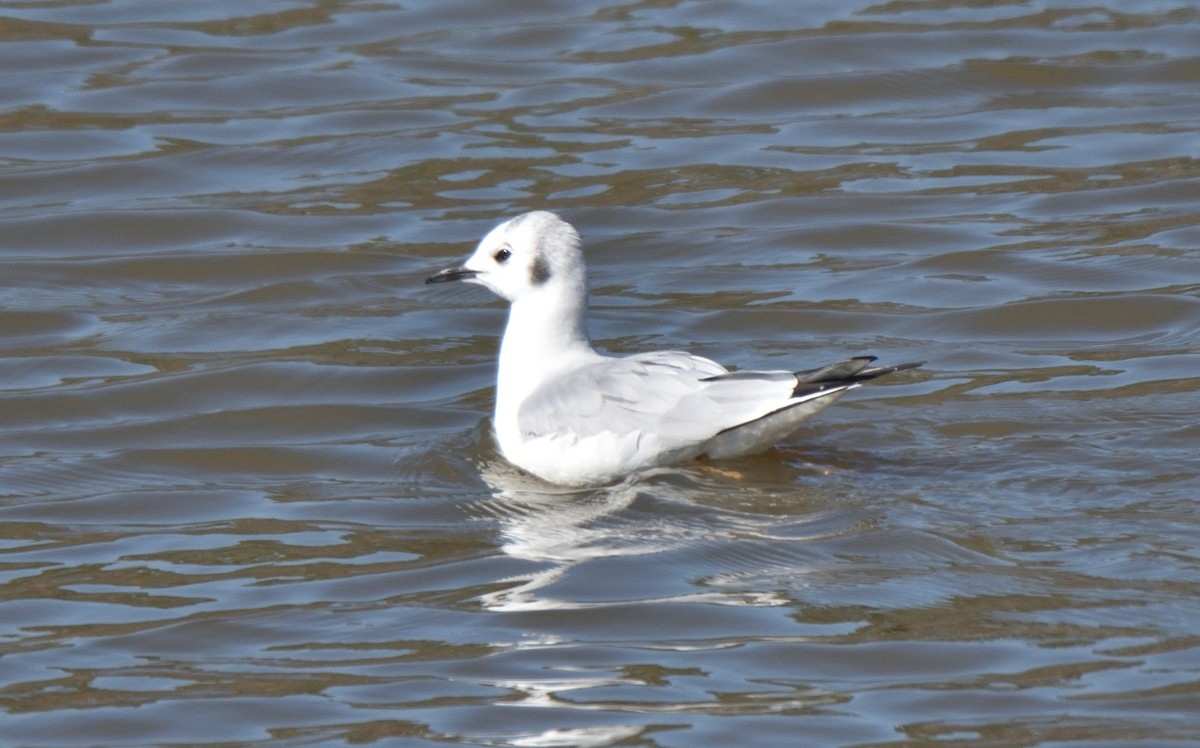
{"x":879,"y":371}
{"x":845,"y":373}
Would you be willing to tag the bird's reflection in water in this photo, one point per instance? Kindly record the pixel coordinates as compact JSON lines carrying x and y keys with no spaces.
{"x":558,"y":526}
{"x":657,"y":512}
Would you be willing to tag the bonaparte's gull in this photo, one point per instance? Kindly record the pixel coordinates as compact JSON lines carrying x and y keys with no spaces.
{"x":572,"y":416}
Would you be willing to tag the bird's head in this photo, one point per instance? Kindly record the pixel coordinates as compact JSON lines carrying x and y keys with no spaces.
{"x":532,"y":253}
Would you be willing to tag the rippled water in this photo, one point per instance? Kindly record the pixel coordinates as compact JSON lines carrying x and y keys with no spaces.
{"x":248,"y":493}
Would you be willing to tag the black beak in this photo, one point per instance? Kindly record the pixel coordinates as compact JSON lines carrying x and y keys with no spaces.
{"x":451,"y":274}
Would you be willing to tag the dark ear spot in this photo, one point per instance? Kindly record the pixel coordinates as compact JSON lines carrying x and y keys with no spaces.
{"x":540,"y":272}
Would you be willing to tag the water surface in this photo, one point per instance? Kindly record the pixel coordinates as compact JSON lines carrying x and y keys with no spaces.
{"x":248,"y":492}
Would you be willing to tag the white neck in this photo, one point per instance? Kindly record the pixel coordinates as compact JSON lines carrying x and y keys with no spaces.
{"x":546,"y":333}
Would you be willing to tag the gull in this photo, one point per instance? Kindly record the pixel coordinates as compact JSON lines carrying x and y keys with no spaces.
{"x":574,"y":417}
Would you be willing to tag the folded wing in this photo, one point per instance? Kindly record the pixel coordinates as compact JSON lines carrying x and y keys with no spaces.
{"x":678,"y":398}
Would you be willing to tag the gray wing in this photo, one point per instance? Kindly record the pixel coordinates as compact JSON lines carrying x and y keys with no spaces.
{"x":679,"y":398}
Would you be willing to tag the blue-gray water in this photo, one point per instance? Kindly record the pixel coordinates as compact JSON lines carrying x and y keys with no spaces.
{"x":248,"y":494}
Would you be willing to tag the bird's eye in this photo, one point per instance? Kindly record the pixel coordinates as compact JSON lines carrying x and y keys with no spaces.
{"x":502,"y":255}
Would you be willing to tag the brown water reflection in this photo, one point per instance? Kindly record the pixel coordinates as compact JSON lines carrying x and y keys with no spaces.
{"x":247,"y":489}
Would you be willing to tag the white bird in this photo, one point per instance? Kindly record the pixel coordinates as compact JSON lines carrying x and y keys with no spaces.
{"x":574,"y":417}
